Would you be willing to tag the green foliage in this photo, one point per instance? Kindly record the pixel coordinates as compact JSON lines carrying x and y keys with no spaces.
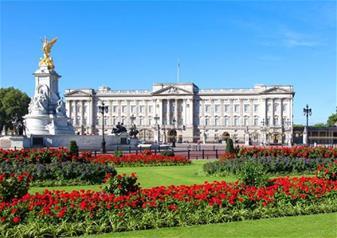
{"x":73,"y":148}
{"x":332,"y":120}
{"x":13,"y":103}
{"x":327,"y":171}
{"x":320,"y":125}
{"x":121,"y":184}
{"x":118,"y":153}
{"x":272,"y":165}
{"x":110,"y":222}
{"x":252,"y":173}
{"x":61,"y":171}
{"x":167,"y":153}
{"x":229,"y":146}
{"x":13,"y":185}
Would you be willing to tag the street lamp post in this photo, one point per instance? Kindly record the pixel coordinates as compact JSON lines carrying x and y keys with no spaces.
{"x":307,"y":112}
{"x":156,"y":118}
{"x":174,"y":137}
{"x":264,"y":132}
{"x":103,"y":109}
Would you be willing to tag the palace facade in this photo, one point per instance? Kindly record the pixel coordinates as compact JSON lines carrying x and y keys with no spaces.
{"x":262,"y":114}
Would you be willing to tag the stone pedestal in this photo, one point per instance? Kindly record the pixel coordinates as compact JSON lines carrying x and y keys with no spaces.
{"x":47,"y":113}
{"x":305,"y":136}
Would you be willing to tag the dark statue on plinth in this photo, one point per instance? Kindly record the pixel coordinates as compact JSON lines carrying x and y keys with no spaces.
{"x":119,"y":128}
{"x":133,"y":132}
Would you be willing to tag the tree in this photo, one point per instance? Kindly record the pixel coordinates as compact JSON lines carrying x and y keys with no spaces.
{"x":13,"y":105}
{"x":320,"y":125}
{"x":332,"y":120}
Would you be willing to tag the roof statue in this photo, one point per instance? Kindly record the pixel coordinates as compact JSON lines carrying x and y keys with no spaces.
{"x":47,"y":60}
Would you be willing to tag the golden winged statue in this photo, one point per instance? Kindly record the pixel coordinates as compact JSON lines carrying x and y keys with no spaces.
{"x":47,"y":60}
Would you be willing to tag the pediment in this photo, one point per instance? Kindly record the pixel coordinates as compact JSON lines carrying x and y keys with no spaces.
{"x":77,"y":93}
{"x":171,"y":90}
{"x":275,"y":90}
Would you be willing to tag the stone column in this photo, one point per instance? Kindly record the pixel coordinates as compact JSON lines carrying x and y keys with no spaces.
{"x":184,"y":114}
{"x":68,"y":108}
{"x":251,"y":113}
{"x":90,"y":116}
{"x":176,"y":113}
{"x":168,"y":111}
{"x":82,"y":117}
{"x":241,"y":113}
{"x":231,"y":112}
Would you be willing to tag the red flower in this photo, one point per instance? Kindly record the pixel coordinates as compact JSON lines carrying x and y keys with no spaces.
{"x":16,"y":219}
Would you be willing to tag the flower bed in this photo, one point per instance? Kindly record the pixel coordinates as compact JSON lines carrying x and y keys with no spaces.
{"x":141,"y":159}
{"x":45,"y":156}
{"x":289,"y":152}
{"x":73,"y":213}
{"x":275,"y":160}
{"x":271,"y":165}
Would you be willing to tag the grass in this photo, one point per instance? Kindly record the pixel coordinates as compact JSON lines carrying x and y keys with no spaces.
{"x":155,"y":176}
{"x":322,"y":225}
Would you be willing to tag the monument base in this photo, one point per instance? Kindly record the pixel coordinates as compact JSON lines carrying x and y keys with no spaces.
{"x":84,"y":142}
{"x":48,"y":125}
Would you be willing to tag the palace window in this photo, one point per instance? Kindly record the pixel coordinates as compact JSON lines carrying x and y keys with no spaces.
{"x":216,"y":121}
{"x":284,"y":107}
{"x":206,"y":121}
{"x":150,"y":121}
{"x":114,"y":109}
{"x":216,"y":108}
{"x":276,"y":121}
{"x":236,"y":108}
{"x":207,"y":108}
{"x":226,"y":108}
{"x":246,"y":108}
{"x":269,"y":107}
{"x":141,"y":109}
{"x":256,"y":108}
{"x":276,"y":107}
{"x":133,"y":109}
{"x":245,"y":121}
{"x":256,"y":121}
{"x":150,"y":109}
{"x":226,"y":121}
{"x":236,"y":121}
{"x":123,"y":109}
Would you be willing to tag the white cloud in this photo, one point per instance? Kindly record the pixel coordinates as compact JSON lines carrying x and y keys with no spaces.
{"x":295,"y":39}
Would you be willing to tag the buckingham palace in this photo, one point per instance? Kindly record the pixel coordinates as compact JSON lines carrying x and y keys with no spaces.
{"x":259,"y":115}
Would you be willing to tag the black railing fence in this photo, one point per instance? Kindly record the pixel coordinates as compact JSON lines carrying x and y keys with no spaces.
{"x":190,"y":153}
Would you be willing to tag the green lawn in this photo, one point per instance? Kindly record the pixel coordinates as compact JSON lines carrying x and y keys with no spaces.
{"x":156,"y":176}
{"x":322,"y":225}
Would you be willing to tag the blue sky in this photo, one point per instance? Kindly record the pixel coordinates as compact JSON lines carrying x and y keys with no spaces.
{"x":220,"y":44}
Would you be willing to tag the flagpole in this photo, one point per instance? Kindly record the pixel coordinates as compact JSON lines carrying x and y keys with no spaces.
{"x":178,"y":71}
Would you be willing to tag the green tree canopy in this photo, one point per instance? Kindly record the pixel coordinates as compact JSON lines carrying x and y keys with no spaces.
{"x":332,"y":119}
{"x":320,"y":125}
{"x":13,"y":103}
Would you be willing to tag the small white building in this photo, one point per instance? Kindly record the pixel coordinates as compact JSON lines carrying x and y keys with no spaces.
{"x":262,"y":114}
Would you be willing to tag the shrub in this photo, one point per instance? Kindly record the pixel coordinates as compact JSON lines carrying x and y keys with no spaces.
{"x":272,"y":165}
{"x":73,"y":148}
{"x":13,"y":185}
{"x":121,"y":184}
{"x":167,"y":153}
{"x":327,"y":171}
{"x":252,"y":173}
{"x":229,"y":146}
{"x":118,"y":153}
{"x":61,"y":171}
